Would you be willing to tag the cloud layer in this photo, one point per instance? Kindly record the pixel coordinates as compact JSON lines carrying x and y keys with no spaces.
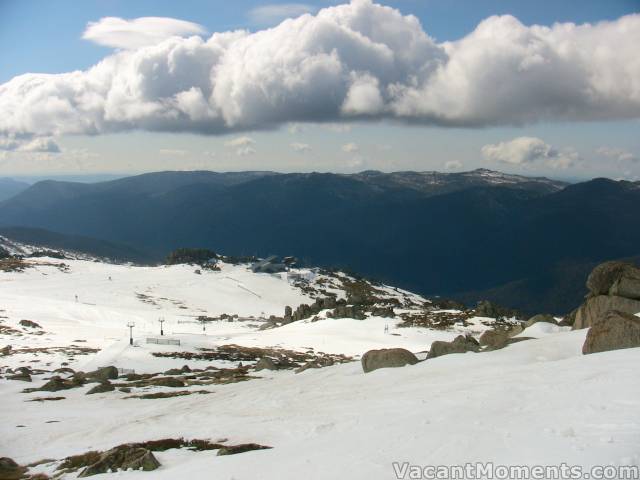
{"x":130,"y":34}
{"x":350,"y":62}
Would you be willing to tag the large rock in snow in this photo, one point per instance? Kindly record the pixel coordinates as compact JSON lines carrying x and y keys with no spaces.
{"x":265,"y":363}
{"x":595,"y":307}
{"x":103,"y":387}
{"x":615,"y":278}
{"x":103,"y":374}
{"x":10,"y":470}
{"x":494,"y":339}
{"x":123,"y":457}
{"x":387,"y":358}
{"x":541,"y":317}
{"x":613,"y":331}
{"x":461,"y":344}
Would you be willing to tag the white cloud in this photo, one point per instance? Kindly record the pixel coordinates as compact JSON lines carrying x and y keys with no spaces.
{"x":528,"y":150}
{"x":453,"y":165}
{"x":244,"y":151}
{"x":363,"y":96}
{"x":350,"y":148}
{"x":41,"y":144}
{"x":138,"y":32}
{"x":28,"y":143}
{"x":301,"y":147}
{"x":358,"y":60}
{"x":240,"y":142}
{"x":274,"y":14}
{"x":242,"y":145}
{"x":618,"y":154}
{"x":173,"y":152}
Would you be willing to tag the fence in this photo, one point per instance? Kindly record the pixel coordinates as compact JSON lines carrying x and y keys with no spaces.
{"x":163,"y":341}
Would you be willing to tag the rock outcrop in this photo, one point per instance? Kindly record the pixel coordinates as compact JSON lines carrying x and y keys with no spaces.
{"x":612,"y":286}
{"x":595,"y":307}
{"x":494,"y":339}
{"x":541,"y":317}
{"x":265,"y":363}
{"x":103,"y":374}
{"x":461,"y":344}
{"x":102,"y":388}
{"x":123,"y":457}
{"x":29,"y":324}
{"x":613,"y":331}
{"x":56,"y":383}
{"x":10,"y":470}
{"x":615,"y":278}
{"x":387,"y":358}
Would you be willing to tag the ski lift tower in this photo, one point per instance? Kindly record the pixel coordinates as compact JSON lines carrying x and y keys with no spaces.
{"x":131,"y":325}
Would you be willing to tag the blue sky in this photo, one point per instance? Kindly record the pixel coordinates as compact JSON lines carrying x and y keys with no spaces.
{"x":46,"y":37}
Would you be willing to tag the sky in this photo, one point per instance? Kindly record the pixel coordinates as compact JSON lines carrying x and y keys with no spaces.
{"x":118,"y":87}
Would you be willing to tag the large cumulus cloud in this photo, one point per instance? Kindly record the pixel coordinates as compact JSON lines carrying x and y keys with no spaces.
{"x":528,"y":150}
{"x":350,"y":62}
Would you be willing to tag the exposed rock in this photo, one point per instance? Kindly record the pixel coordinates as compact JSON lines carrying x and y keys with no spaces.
{"x":541,"y":317}
{"x":348,"y":311}
{"x":385,"y":312}
{"x":178,"y":371}
{"x":628,"y":284}
{"x":171,"y":382}
{"x":265,"y":363}
{"x":514,"y":330}
{"x":245,"y":447}
{"x":461,"y":344}
{"x":29,"y":324}
{"x":596,"y":307}
{"x":178,"y":393}
{"x":615,"y":278}
{"x":489,"y":309}
{"x":101,"y":388}
{"x":103,"y":374}
{"x":56,"y":383}
{"x":64,"y":370}
{"x":613,"y":331}
{"x":6,"y":350}
{"x":10,"y":470}
{"x":25,"y":377}
{"x":447,"y":304}
{"x":318,"y":363}
{"x":494,"y":339}
{"x":387,"y":358}
{"x":123,"y":457}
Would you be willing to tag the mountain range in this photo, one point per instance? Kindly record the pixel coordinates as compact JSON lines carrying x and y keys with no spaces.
{"x":527,"y":242}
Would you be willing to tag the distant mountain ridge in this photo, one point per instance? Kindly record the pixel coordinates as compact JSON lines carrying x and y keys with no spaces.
{"x":10,"y":187}
{"x":437,"y":233}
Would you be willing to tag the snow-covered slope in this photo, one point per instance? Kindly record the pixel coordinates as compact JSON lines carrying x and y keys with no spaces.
{"x":538,"y":401}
